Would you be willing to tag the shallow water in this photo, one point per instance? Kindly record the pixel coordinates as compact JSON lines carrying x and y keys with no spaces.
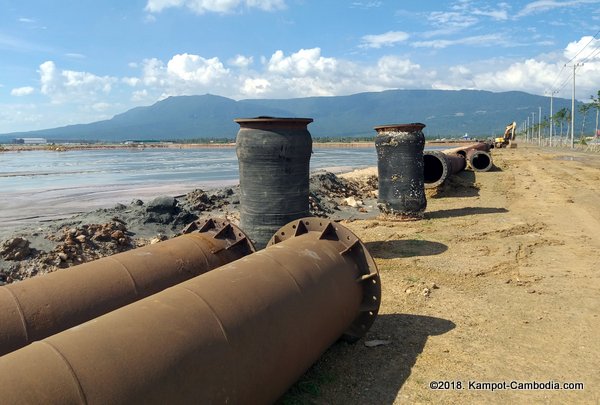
{"x":38,"y":185}
{"x":42,"y":185}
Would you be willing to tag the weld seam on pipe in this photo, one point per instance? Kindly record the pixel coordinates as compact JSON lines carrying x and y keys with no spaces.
{"x":287,"y":270}
{"x":126,"y":271}
{"x":69,"y":366}
{"x":20,"y":312}
{"x":212,"y":310}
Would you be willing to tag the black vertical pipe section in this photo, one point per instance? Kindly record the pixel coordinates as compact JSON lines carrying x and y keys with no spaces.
{"x":401,"y":175}
{"x":274,"y":157}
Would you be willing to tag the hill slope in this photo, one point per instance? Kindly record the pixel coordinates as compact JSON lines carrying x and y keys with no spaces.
{"x":446,"y":113}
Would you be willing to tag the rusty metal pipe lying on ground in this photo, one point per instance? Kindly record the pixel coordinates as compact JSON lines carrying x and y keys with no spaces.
{"x":479,"y":160}
{"x":243,"y":333}
{"x":462,"y":150}
{"x":437,"y":166}
{"x":477,"y":155}
{"x":44,"y":305}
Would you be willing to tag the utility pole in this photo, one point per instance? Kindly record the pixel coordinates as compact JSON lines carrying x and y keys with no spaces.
{"x":575,"y":66}
{"x":527,"y":131}
{"x":532,"y":125}
{"x":540,"y":127}
{"x":552,"y":93}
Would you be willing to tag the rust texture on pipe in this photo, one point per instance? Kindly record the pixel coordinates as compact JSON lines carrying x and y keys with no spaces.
{"x":479,"y":160}
{"x":243,"y":333}
{"x":437,"y":166}
{"x":462,"y":150}
{"x":44,"y":305}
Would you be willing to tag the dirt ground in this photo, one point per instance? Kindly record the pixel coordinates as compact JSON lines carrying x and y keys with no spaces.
{"x":499,"y":283}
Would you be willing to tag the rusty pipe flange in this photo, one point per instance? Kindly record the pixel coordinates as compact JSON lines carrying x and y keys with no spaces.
{"x":352,"y":247}
{"x":233,"y":237}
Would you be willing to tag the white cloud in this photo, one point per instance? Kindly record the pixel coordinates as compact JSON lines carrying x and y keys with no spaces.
{"x":477,"y":40}
{"x":213,"y":6}
{"x":303,"y":73}
{"x":389,"y":38}
{"x":131,"y":81}
{"x":69,"y":85}
{"x":500,"y":15}
{"x":27,"y":20}
{"x":255,"y":87}
{"x":547,"y":5}
{"x":366,"y":4}
{"x":452,"y":19}
{"x":241,"y":61}
{"x":17,"y":117}
{"x":22,"y":91}
{"x":140,"y":96}
{"x":302,"y":63}
{"x":194,"y":68}
{"x":586,"y":48}
{"x":185,"y":74}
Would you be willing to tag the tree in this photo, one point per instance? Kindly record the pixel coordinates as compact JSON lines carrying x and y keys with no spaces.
{"x":584,"y":109}
{"x":561,"y":116}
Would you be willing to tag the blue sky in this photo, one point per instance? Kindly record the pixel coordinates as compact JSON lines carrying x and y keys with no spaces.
{"x":67,"y":62}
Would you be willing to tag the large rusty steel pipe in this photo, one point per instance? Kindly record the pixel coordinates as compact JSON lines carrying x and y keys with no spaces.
{"x":243,"y":333}
{"x":477,"y":155}
{"x":42,"y":306}
{"x":479,"y":160}
{"x":437,"y":166}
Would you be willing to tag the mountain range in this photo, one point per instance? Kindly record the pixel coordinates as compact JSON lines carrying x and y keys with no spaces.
{"x":444,"y":112}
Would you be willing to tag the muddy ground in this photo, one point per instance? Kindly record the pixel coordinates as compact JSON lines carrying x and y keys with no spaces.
{"x":498,"y":283}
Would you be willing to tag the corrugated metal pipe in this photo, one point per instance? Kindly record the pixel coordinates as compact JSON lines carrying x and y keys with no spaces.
{"x":33,"y":309}
{"x":437,"y":166}
{"x":243,"y":333}
{"x":400,"y":171}
{"x":274,"y":161}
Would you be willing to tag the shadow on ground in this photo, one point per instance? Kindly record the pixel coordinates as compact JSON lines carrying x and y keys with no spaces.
{"x":461,"y":212}
{"x":461,"y":184}
{"x":391,"y":249}
{"x":354,"y":373}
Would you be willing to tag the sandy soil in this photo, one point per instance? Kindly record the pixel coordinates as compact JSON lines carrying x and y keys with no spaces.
{"x":500,"y":282}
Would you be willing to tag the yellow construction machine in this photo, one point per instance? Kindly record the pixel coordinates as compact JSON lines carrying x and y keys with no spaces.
{"x":508,"y":138}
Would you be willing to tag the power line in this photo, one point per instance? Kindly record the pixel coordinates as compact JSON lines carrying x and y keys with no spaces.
{"x":586,"y":45}
{"x":592,"y":54}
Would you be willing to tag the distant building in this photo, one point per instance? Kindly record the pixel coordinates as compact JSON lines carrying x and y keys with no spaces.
{"x":140,"y":141}
{"x":31,"y":141}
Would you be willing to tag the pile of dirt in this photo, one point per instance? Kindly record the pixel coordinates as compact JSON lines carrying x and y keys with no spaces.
{"x":329,"y":193}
